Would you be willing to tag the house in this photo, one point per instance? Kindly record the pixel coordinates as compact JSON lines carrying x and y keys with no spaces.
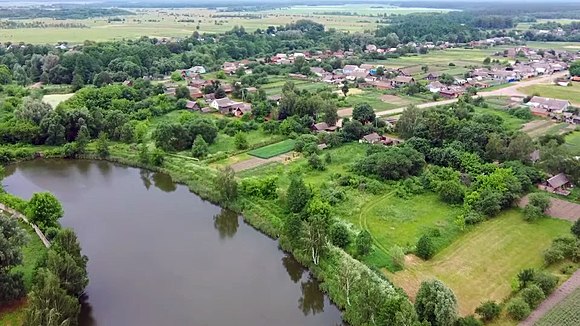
{"x":575,"y":79}
{"x":193,"y":71}
{"x":192,"y":105}
{"x":402,"y":80}
{"x":547,"y":106}
{"x":241,"y":109}
{"x":433,"y":76}
{"x":169,"y":91}
{"x":230,"y":67}
{"x":558,"y":184}
{"x":435,"y":87}
{"x":199,"y":83}
{"x":195,"y":92}
{"x":227,"y":88}
{"x":373,"y":138}
{"x":224,"y":105}
{"x":349,"y":69}
{"x":366,"y":66}
{"x":356,"y":75}
{"x":128,"y":83}
{"x":324,"y":127}
{"x":274,"y":98}
{"x":371,"y":48}
{"x":450,"y":92}
{"x":317,"y":71}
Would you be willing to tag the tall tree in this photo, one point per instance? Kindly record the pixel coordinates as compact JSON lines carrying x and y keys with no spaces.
{"x":364,"y":113}
{"x":315,"y":236}
{"x":44,"y":210}
{"x":298,"y":195}
{"x":436,"y":303}
{"x":12,"y":238}
{"x":227,"y":184}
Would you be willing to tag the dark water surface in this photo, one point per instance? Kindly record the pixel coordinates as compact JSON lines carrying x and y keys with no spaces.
{"x":159,"y":255}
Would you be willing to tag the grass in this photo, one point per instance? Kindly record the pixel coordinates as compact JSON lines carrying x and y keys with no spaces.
{"x":480,"y":264}
{"x":55,"y":99}
{"x":274,"y":149}
{"x":573,"y":143}
{"x":570,"y":93}
{"x":565,"y":313}
{"x":510,"y":122}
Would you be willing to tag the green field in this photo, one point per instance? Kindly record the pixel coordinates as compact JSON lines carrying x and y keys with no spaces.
{"x":355,"y":9}
{"x":481,"y":263}
{"x":566,"y":313}
{"x":274,"y":149}
{"x":573,"y":143}
{"x":562,"y":46}
{"x":570,"y":93}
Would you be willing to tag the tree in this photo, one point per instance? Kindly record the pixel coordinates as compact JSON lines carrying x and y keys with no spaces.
{"x":345,"y":88}
{"x":526,"y":276}
{"x":518,"y":309}
{"x":44,"y":210}
{"x":347,"y":275}
{"x":83,"y":138}
{"x":540,"y":200}
{"x":364,"y":113}
{"x":329,"y":113}
{"x":227,"y":184}
{"x":144,"y":155}
{"x":520,"y":148}
{"x":574,"y":68}
{"x":398,"y":257}
{"x":533,"y":295}
{"x":487,"y":61}
{"x":495,"y":147}
{"x":102,"y":79}
{"x":176,"y":76}
{"x":436,"y":303}
{"x":297,"y":195}
{"x":12,"y":238}
{"x":408,"y":122}
{"x":488,"y":311}
{"x":293,"y":229}
{"x":339,"y":235}
{"x":199,"y":149}
{"x":241,"y":141}
{"x":425,"y":247}
{"x":33,"y":111}
{"x":182,"y":92}
{"x":20,"y":75}
{"x":103,"y":145}
{"x":363,"y":243}
{"x":315,"y":234}
{"x":576,"y":229}
{"x":451,"y":191}
{"x":49,"y":304}
{"x":5,"y":75}
{"x":78,"y":82}
{"x":157,"y":157}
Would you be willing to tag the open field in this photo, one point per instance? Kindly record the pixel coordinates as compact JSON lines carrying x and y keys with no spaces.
{"x":183,"y":22}
{"x":562,"y":46}
{"x":542,"y":127}
{"x":55,"y":99}
{"x":570,"y":93}
{"x":573,"y":143}
{"x":274,"y":149}
{"x":566,"y":313}
{"x":479,"y":265}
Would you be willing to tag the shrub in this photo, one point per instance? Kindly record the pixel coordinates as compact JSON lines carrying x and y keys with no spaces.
{"x":425,"y":247}
{"x":468,"y":321}
{"x":533,"y":295}
{"x":339,"y":235}
{"x":398,"y":257}
{"x":316,"y":163}
{"x":518,"y":309}
{"x":532,"y":213}
{"x":545,"y":281}
{"x":363,"y":243}
{"x":473,"y":217}
{"x":488,"y":310}
{"x":576,"y":228}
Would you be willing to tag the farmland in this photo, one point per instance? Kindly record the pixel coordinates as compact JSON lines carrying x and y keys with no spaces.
{"x":274,"y":149}
{"x":565,"y":313}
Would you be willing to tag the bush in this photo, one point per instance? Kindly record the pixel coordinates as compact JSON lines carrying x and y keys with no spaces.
{"x":339,"y":235}
{"x":398,"y":257}
{"x":518,"y":309}
{"x":533,"y":295}
{"x":488,"y":311}
{"x":532,"y":213}
{"x":546,"y":281}
{"x":468,"y":321}
{"x":473,"y":218}
{"x":425,"y":247}
{"x":576,"y":228}
{"x":363,"y":243}
{"x":315,"y":162}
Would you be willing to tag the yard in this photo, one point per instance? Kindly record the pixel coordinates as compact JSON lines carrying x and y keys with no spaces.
{"x":274,"y":149}
{"x":55,"y":99}
{"x":570,"y":93}
{"x":481,"y":263}
{"x":566,"y":313}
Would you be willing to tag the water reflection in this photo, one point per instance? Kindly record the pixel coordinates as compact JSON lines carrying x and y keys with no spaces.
{"x":86,"y":316}
{"x":164,"y":182}
{"x":293,"y":267}
{"x":226,"y":223}
{"x":145,"y":175}
{"x":312,"y":300}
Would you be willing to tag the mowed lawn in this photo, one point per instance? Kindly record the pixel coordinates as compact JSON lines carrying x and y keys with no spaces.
{"x":274,"y":149}
{"x":570,"y":93}
{"x":566,"y":313}
{"x":481,"y":263}
{"x":55,"y":99}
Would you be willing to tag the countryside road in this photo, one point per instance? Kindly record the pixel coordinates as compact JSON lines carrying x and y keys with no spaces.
{"x":507,"y":91}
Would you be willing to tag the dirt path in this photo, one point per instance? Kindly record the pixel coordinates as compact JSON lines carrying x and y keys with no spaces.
{"x":560,"y":294}
{"x":14,"y":214}
{"x":559,"y":208}
{"x":511,"y":91}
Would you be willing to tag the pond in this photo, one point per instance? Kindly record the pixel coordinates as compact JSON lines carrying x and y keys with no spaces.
{"x":160,"y":255}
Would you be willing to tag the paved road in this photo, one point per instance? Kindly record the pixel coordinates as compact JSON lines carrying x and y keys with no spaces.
{"x":507,"y":91}
{"x":560,"y":294}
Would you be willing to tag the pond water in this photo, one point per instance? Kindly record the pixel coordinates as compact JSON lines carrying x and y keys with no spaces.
{"x":159,"y":255}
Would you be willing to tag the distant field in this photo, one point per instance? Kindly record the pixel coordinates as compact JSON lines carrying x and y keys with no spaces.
{"x":479,"y":265}
{"x":573,"y":143}
{"x":566,"y":313}
{"x":570,"y":93}
{"x":562,"y":46}
{"x":274,"y":149}
{"x":355,"y":9}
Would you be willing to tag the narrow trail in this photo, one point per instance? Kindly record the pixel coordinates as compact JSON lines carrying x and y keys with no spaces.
{"x":362,"y":221}
{"x":14,"y":214}
{"x":560,"y":294}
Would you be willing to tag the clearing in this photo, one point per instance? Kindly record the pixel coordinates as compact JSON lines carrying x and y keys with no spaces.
{"x":479,"y":265}
{"x":276,"y":149}
{"x":55,"y":99}
{"x":559,"y":208}
{"x":542,"y":127}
